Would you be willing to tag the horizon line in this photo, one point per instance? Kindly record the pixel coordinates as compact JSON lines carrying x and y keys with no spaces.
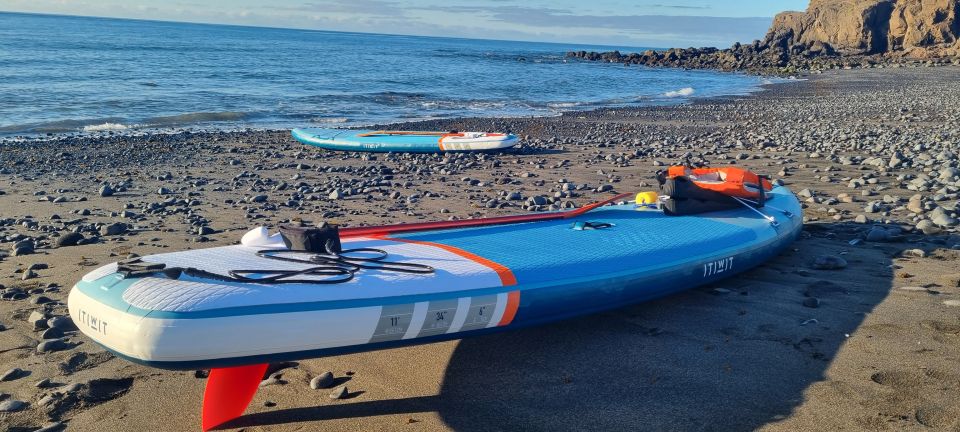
{"x":46,"y":14}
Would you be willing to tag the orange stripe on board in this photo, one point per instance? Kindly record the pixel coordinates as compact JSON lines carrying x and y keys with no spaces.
{"x":506,"y":276}
{"x":513,"y":302}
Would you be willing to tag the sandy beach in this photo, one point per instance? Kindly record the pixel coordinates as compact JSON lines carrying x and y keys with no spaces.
{"x":870,"y":344}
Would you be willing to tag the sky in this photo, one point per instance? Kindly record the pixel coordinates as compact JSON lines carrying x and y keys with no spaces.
{"x":648,"y":23}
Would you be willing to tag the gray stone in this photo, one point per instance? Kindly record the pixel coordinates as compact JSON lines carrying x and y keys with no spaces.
{"x":340,"y":393}
{"x":927,"y":227}
{"x":811,"y":302}
{"x":914,"y":253}
{"x":52,"y":427}
{"x":12,"y":405}
{"x":113,"y":229}
{"x":51,"y":333}
{"x":878,"y":234}
{"x":52,"y":345}
{"x":69,"y":239}
{"x":106,"y":191}
{"x":64,"y":323}
{"x":13,"y":374}
{"x":38,"y":320}
{"x":322,"y":381}
{"x":829,"y":262}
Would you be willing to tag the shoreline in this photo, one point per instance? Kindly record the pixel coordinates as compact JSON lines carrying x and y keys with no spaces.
{"x":135,"y":132}
{"x":790,"y":345}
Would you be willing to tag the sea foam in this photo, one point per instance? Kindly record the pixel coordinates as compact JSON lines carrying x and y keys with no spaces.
{"x":105,"y":127}
{"x":686,"y":91}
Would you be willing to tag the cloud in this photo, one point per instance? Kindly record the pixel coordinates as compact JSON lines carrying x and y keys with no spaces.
{"x":684,"y":29}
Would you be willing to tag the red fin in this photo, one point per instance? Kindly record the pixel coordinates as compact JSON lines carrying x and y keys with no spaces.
{"x":229,"y":391}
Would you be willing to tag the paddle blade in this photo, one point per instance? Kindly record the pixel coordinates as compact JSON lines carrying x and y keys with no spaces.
{"x":228,"y":392}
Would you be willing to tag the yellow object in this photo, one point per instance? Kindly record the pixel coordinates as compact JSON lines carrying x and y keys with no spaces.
{"x":647,"y":198}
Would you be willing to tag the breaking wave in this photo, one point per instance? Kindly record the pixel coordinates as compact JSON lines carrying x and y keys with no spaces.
{"x":686,"y":91}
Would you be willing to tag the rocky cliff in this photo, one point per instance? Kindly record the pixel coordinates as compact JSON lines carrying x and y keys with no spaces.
{"x":917,"y":28}
{"x":830,"y":34}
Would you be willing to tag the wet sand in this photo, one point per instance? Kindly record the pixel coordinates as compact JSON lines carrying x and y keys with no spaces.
{"x":787,"y":346}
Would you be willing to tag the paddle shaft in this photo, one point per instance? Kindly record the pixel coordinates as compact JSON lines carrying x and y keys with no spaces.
{"x":467,"y":223}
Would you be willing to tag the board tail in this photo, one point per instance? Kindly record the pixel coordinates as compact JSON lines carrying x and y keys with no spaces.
{"x":228,"y":392}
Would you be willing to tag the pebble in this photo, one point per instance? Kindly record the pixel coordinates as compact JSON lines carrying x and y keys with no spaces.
{"x":13,"y":374}
{"x":52,"y":427}
{"x":64,"y":323}
{"x":116,"y":228}
{"x":52,"y":333}
{"x":106,"y":191}
{"x":878,"y":234}
{"x":52,"y":345}
{"x":914,"y":253}
{"x":927,"y":227}
{"x":38,"y":320}
{"x":12,"y":405}
{"x":322,"y":381}
{"x":811,"y":302}
{"x":829,"y":262}
{"x":340,"y":393}
{"x":69,"y":239}
{"x":720,"y":291}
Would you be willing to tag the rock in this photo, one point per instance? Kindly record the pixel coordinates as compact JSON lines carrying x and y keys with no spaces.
{"x":943,"y":220}
{"x":927,"y":227}
{"x":64,"y":323}
{"x":38,"y":320}
{"x":163,"y":191}
{"x":720,"y":291}
{"x":52,"y":427}
{"x":51,"y":333}
{"x":861,"y":219}
{"x":11,"y":405}
{"x":21,"y":248}
{"x":106,"y":191}
{"x":52,"y":345}
{"x":335,"y":195}
{"x":69,"y":239}
{"x":39,"y":300}
{"x":878,"y":234}
{"x":259,"y":199}
{"x":829,"y":262}
{"x":116,"y":228}
{"x":914,"y":253}
{"x":340,"y":393}
{"x":205,"y":230}
{"x":322,"y":381}
{"x":27,"y":275}
{"x":811,"y":302}
{"x":868,"y":26}
{"x":13,"y":374}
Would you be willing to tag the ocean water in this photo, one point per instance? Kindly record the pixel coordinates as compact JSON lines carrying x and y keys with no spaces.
{"x":70,"y":74}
